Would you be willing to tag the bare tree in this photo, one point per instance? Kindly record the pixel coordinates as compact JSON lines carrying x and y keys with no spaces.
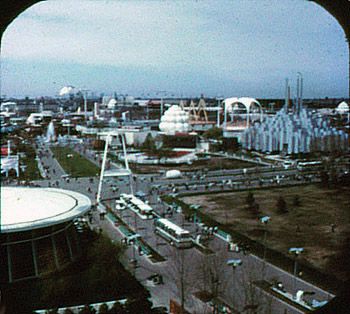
{"x":182,"y":272}
{"x":211,"y":279}
{"x":253,"y":299}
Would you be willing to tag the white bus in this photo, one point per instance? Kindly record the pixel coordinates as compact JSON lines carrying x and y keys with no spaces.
{"x":143,"y":210}
{"x":310,"y":166}
{"x":173,"y":233}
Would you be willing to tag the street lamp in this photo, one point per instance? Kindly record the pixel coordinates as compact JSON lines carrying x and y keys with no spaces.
{"x":264,"y":220}
{"x":234,"y":263}
{"x":296,"y":251}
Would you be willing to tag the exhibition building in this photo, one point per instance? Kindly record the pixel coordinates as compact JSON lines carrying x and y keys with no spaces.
{"x":37,"y":230}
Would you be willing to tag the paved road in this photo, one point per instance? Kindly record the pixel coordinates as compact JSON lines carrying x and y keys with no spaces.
{"x":200,"y":271}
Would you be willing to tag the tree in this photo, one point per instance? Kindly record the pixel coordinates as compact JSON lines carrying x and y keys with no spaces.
{"x":296,"y":200}
{"x":250,"y":200}
{"x":211,"y":278}
{"x":213,"y":133}
{"x":255,"y":209}
{"x":253,"y":206}
{"x":324,"y":179}
{"x":117,"y":308}
{"x":281,"y":205}
{"x":103,"y":309}
{"x":149,"y":145}
{"x":182,"y":273}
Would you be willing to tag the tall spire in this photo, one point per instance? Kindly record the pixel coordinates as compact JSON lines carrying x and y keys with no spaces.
{"x":286,"y":96}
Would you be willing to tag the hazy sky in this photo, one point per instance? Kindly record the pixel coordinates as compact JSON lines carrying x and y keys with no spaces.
{"x":229,"y":48}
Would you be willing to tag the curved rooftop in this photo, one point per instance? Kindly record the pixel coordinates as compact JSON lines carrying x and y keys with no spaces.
{"x":26,"y":208}
{"x":343,"y":107}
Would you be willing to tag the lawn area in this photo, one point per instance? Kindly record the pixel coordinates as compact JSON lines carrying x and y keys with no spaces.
{"x":308,"y":225}
{"x":214,"y":163}
{"x":31,"y":171}
{"x":76,"y":165}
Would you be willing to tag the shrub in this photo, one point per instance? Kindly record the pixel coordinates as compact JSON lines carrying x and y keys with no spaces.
{"x":281,"y":205}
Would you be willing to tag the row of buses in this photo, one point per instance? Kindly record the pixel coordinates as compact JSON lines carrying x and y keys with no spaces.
{"x":171,"y":232}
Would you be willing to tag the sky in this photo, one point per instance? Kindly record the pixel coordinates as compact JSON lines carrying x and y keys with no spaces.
{"x":183,"y":48}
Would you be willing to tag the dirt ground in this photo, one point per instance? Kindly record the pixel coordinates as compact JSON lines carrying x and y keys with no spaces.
{"x":308,"y":225}
{"x":214,"y":163}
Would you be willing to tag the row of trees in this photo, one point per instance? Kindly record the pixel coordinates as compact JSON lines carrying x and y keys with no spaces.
{"x":211,"y":277}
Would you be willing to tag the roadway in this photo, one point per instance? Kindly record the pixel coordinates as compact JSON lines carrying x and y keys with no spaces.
{"x":199,"y":271}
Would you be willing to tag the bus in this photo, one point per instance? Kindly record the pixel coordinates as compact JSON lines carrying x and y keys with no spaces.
{"x":141,"y":208}
{"x":311,"y":166}
{"x":176,"y":236}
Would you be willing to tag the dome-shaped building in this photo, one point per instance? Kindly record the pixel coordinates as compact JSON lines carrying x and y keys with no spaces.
{"x":174,"y":120}
{"x":112,"y":104}
{"x":342,"y":108}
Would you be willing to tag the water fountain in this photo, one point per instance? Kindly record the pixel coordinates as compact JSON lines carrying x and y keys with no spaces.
{"x":50,"y":133}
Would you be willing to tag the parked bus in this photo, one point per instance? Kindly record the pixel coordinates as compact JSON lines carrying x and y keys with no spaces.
{"x":142,"y":209}
{"x":310,"y":166}
{"x":173,"y":233}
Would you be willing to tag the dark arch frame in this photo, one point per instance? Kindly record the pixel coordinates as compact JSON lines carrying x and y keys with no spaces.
{"x":339,"y":9}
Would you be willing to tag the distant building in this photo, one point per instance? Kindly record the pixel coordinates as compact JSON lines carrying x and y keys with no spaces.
{"x":297,"y":132}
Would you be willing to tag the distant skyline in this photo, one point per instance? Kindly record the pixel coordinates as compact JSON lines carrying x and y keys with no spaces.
{"x":186,"y":48}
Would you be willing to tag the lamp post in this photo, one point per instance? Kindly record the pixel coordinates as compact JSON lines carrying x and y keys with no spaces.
{"x":264,"y":220}
{"x":234,"y":263}
{"x":296,"y":251}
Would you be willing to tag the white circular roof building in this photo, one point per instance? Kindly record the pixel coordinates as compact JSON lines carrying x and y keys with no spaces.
{"x":38,"y":231}
{"x":25,"y":208}
{"x":174,"y":120}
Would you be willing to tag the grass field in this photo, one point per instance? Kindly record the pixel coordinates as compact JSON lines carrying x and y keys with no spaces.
{"x":307,"y":225}
{"x":76,"y":165}
{"x":31,"y":171}
{"x":214,"y":163}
